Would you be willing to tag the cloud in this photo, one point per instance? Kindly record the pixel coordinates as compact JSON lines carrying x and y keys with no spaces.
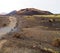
{"x":50,"y":5}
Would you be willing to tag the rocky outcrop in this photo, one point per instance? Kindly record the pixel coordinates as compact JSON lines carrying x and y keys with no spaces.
{"x":32,"y":11}
{"x":29,"y":11}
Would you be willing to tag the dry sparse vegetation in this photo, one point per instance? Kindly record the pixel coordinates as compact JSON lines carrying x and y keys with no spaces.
{"x":56,"y":42}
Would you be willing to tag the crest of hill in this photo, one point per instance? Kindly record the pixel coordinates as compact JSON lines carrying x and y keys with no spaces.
{"x":29,"y":11}
{"x":32,"y":11}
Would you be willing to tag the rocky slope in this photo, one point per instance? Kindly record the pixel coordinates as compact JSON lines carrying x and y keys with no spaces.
{"x":32,"y":11}
{"x":29,"y":11}
{"x":12,"y":13}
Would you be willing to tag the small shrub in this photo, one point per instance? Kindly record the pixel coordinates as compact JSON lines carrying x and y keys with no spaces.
{"x":56,"y":42}
{"x":16,"y":35}
{"x":51,"y":20}
{"x":4,"y":25}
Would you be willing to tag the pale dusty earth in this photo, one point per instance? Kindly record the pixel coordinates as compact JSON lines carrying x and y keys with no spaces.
{"x":27,"y":36}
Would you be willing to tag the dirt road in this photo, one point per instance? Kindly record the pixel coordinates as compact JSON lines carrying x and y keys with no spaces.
{"x":7,"y":29}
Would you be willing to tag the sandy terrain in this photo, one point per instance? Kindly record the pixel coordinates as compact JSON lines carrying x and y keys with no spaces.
{"x":32,"y":36}
{"x":9,"y":27}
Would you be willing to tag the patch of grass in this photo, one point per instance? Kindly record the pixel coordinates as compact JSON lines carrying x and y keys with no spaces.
{"x":49,"y":50}
{"x":48,"y":16}
{"x":29,"y":17}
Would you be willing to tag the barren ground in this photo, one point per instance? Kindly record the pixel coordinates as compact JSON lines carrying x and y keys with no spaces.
{"x":33,"y":35}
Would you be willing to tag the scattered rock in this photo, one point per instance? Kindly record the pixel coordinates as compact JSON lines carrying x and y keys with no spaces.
{"x":56,"y":42}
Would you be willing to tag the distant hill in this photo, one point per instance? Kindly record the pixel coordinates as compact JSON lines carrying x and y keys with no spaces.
{"x":12,"y":13}
{"x":29,"y":11}
{"x":32,"y":11}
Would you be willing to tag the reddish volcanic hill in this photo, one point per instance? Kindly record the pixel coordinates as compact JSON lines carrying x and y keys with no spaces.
{"x":29,"y":11}
{"x":32,"y":11}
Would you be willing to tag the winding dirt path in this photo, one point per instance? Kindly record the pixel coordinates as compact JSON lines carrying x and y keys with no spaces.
{"x":7,"y":29}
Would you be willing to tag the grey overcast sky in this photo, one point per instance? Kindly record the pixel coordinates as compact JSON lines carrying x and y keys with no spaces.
{"x":49,"y":5}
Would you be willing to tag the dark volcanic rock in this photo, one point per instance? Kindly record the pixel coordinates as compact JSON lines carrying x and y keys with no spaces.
{"x":29,"y":11}
{"x":32,"y":11}
{"x":12,"y":13}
